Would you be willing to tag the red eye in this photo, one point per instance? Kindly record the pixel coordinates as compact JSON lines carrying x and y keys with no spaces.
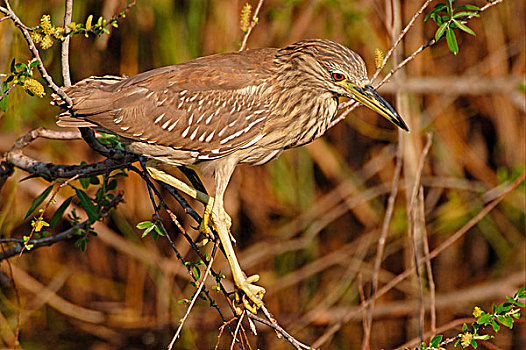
{"x":338,"y":76}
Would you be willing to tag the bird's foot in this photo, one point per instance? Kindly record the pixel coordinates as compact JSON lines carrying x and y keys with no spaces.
{"x":248,"y":293}
{"x":208,"y":219}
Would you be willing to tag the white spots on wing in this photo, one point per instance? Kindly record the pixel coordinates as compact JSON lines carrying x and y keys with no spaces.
{"x":180,"y":104}
{"x":173,"y":125}
{"x":209,"y":138}
{"x":232,"y":124}
{"x":200,"y":118}
{"x":254,"y":140}
{"x":124,"y":128}
{"x":166,"y":123}
{"x":158,"y":119}
{"x":202,"y":137}
{"x":194,"y":134}
{"x":185,"y":132}
{"x":143,"y":138}
{"x":222,"y":131}
{"x":163,"y":101}
{"x":194,"y":154}
{"x":182,"y":93}
{"x":151,"y":141}
{"x":252,"y":124}
{"x":248,"y":90}
{"x":216,"y":150}
{"x":234,"y":135}
{"x":224,"y":104}
{"x":249,"y":116}
{"x":118,"y":119}
{"x":150,"y":94}
{"x":240,"y":132}
{"x":137,"y":134}
{"x":259,"y":111}
{"x":191,"y":119}
{"x":193,"y":98}
{"x":138,"y":91}
{"x":200,"y":102}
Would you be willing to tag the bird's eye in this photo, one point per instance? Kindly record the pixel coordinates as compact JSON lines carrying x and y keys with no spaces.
{"x":338,"y":76}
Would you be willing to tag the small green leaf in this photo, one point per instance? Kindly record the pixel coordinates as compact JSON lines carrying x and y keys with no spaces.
{"x":464,"y":27}
{"x":84,"y":182}
{"x":468,"y":7}
{"x":3,"y":101}
{"x":465,"y":14}
{"x":474,"y":343}
{"x":505,"y":321}
{"x":464,"y":328}
{"x":60,"y":211}
{"x":82,"y":244}
{"x":38,"y":201}
{"x":145,"y":233}
{"x":20,"y":66}
{"x":144,"y":224}
{"x":452,"y":41}
{"x":112,"y":184}
{"x":435,"y":341}
{"x":87,"y":205}
{"x":484,"y":319}
{"x":34,"y":64}
{"x":160,"y":231}
{"x":440,"y":31}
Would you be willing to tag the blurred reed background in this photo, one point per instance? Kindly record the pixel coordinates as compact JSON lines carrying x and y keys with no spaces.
{"x":309,"y":222}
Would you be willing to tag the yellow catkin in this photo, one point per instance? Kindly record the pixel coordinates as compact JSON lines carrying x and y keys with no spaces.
{"x":245,"y":17}
{"x":58,"y":32}
{"x":465,"y":339}
{"x":378,"y":58}
{"x":34,"y":87}
{"x":45,"y":24}
{"x":47,"y":42}
{"x":37,"y":37}
{"x":477,"y":311}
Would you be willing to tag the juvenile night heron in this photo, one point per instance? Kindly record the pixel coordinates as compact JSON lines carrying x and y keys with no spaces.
{"x":222,"y":110}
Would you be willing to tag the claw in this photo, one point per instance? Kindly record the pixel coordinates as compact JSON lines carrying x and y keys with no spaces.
{"x":252,"y":294}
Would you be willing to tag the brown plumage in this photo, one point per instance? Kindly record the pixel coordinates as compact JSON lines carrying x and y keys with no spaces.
{"x":221,"y":110}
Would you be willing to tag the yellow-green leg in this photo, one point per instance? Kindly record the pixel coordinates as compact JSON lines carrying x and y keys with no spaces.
{"x":222,"y":223}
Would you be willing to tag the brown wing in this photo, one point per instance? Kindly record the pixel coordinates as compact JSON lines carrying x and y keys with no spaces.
{"x":213,"y":104}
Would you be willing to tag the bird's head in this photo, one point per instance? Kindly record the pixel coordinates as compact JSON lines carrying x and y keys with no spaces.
{"x":342,"y":72}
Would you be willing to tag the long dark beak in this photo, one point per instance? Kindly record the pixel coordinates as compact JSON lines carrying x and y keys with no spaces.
{"x":370,"y":98}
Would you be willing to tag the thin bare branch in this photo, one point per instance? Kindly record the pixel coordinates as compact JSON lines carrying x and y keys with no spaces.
{"x":383,"y":238}
{"x":400,"y":37}
{"x":200,"y":284}
{"x":65,"y":44}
